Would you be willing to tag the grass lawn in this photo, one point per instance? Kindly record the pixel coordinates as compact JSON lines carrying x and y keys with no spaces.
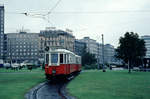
{"x":14,"y":84}
{"x":111,"y":85}
{"x":4,"y":70}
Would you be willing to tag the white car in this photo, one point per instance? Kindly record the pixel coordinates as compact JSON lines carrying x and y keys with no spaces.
{"x":6,"y":65}
{"x":23,"y":64}
{"x":14,"y":65}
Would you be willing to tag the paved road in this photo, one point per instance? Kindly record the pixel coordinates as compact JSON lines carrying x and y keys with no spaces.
{"x":50,"y":91}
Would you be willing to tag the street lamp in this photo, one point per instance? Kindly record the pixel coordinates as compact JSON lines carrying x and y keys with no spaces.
{"x":10,"y":51}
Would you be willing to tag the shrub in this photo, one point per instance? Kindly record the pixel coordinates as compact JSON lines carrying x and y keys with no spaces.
{"x":92,"y":66}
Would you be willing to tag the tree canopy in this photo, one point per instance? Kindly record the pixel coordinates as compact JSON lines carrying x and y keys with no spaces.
{"x":131,"y":48}
{"x":88,"y":58}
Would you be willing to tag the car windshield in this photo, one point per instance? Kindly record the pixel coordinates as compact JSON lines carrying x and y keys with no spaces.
{"x":54,"y":58}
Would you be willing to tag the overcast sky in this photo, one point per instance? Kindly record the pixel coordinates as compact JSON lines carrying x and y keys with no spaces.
{"x":109,"y":17}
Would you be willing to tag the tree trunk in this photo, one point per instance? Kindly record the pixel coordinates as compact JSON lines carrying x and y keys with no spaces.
{"x":129,"y":70}
{"x":129,"y":66}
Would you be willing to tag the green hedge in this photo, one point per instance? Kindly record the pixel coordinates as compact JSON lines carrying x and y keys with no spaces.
{"x":92,"y":66}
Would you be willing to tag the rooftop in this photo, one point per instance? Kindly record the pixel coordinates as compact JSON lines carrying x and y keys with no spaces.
{"x":59,"y":32}
{"x":145,"y":36}
{"x":1,"y":5}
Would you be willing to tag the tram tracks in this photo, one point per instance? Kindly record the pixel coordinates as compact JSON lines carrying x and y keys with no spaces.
{"x":51,"y":90}
{"x":47,"y":90}
{"x":36,"y":90}
{"x":60,"y":92}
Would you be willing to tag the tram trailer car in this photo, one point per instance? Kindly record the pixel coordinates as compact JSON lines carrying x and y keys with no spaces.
{"x":61,"y":63}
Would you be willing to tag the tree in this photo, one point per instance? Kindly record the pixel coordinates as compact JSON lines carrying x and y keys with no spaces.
{"x":87,"y":58}
{"x":130,"y":48}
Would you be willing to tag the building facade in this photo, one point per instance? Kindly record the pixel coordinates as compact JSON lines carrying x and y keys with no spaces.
{"x":22,"y":46}
{"x":95,"y":48}
{"x":79,"y":47}
{"x":146,"y":38}
{"x":109,"y":52}
{"x":146,"y":60}
{"x":91,"y":46}
{"x":55,"y":39}
{"x":2,"y":36}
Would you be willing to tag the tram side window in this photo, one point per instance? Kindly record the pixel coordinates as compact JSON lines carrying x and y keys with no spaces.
{"x":68,"y":58}
{"x":47,"y":58}
{"x":77,"y":60}
{"x":74,"y":59}
{"x":61,"y":58}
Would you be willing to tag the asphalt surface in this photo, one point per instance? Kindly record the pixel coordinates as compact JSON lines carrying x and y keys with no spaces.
{"x":49,"y":90}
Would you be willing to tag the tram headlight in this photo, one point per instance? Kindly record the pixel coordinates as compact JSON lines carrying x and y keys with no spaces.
{"x":54,"y":71}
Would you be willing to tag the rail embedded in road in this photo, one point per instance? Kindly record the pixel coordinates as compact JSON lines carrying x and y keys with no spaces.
{"x":48,"y":90}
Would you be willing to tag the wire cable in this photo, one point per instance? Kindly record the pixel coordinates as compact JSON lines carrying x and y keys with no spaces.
{"x":84,"y":12}
{"x":103,"y":12}
{"x":53,"y":7}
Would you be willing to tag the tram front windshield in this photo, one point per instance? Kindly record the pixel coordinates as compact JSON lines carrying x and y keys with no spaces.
{"x":54,"y":58}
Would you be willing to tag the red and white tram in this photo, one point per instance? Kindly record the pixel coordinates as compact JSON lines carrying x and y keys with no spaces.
{"x":61,"y":62}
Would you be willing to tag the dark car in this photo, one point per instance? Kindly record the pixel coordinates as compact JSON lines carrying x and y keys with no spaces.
{"x":32,"y":64}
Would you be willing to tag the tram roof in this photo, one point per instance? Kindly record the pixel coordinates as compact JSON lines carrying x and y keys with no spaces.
{"x":62,"y":50}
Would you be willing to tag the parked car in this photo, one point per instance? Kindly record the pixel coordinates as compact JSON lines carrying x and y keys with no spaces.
{"x":30,"y":64}
{"x":23,"y":64}
{"x":34,"y":64}
{"x":37,"y":63}
{"x":15,"y":65}
{"x":1,"y":63}
{"x":7,"y":65}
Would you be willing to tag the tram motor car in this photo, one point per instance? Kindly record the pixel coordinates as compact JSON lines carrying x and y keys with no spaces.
{"x":62,"y":63}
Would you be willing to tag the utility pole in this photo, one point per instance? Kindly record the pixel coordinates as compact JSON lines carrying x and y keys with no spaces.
{"x":98,"y":58}
{"x":103,"y":53}
{"x":10,"y":52}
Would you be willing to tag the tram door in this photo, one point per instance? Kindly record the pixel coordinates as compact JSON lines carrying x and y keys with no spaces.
{"x":67,"y":64}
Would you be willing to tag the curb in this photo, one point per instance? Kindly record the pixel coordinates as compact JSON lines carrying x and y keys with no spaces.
{"x":65,"y":92}
{"x":31,"y":94}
